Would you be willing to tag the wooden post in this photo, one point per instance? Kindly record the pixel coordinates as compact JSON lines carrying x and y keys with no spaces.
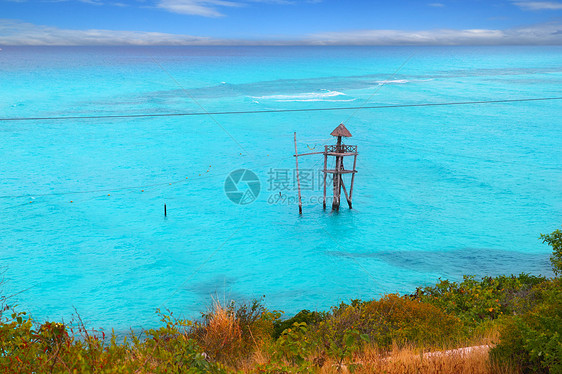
{"x":346,"y":195}
{"x":348,"y":198}
{"x":336,"y":175}
{"x":298,"y":180}
{"x":325,"y":174}
{"x":165,"y":211}
{"x":337,"y":179}
{"x":352,"y":179}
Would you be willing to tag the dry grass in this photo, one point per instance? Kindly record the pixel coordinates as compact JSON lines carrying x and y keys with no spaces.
{"x":221,"y":335}
{"x":402,"y":361}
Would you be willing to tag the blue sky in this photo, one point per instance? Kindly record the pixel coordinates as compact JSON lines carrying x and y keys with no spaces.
{"x":186,"y":22}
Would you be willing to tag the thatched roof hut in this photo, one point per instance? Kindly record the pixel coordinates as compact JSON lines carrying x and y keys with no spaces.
{"x":341,"y":130}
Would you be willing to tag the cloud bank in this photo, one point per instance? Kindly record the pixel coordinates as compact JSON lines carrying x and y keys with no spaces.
{"x":542,"y":34}
{"x":205,"y":8}
{"x":210,"y":8}
{"x":538,"y":5}
{"x":14,"y":32}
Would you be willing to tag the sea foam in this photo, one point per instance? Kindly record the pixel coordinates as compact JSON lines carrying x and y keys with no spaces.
{"x":325,"y":95}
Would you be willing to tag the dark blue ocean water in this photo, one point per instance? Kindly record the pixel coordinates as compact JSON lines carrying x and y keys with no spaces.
{"x":441,"y":191}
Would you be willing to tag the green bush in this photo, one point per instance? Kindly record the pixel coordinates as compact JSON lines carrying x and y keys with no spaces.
{"x":532,"y":342}
{"x":475,"y":301}
{"x":306,"y":316}
{"x":554,"y":239}
{"x":27,"y":347}
{"x":258,"y":324}
{"x":392,"y":319}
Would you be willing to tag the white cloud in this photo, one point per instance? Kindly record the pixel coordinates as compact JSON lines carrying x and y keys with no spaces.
{"x":20,"y":33}
{"x":539,"y":5}
{"x":542,"y":34}
{"x":91,"y":2}
{"x":282,"y":2}
{"x":205,"y":8}
{"x":437,"y":5}
{"x":394,"y":37}
{"x":211,"y":8}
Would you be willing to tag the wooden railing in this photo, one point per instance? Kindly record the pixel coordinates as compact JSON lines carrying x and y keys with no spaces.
{"x":344,"y":148}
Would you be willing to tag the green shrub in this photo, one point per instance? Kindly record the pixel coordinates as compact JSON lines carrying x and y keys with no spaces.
{"x":392,"y":319}
{"x":306,"y":316}
{"x":294,"y":345}
{"x":532,"y":342}
{"x":258,"y":324}
{"x":554,"y":239}
{"x":27,"y":347}
{"x":475,"y":301}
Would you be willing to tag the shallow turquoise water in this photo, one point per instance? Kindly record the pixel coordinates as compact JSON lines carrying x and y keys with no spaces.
{"x":441,"y":191}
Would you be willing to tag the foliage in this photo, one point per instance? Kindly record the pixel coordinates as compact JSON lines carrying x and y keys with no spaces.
{"x":306,"y":316}
{"x":54,"y":347}
{"x":475,"y":301}
{"x":554,"y":239}
{"x":533,"y":340}
{"x":256,"y":321}
{"x":294,"y":344}
{"x":392,"y":319}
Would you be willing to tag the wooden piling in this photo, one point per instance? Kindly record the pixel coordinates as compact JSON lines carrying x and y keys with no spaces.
{"x":337,"y":176}
{"x":298,"y":180}
{"x":352,"y":179}
{"x":165,"y":211}
{"x":345,"y":192}
{"x":325,"y":174}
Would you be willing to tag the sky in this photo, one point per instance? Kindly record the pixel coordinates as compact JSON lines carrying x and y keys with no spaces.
{"x":280,"y":22}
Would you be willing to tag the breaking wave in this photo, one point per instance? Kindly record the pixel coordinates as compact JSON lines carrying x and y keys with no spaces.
{"x":325,"y":95}
{"x":394,"y":81}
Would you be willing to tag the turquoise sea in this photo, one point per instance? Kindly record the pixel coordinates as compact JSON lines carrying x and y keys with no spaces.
{"x":441,"y":191}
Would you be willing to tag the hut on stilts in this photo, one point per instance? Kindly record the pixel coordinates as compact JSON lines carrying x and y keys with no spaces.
{"x":339,"y":151}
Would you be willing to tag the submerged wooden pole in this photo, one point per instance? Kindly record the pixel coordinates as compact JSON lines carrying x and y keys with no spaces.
{"x":325,"y":174}
{"x":348,"y":197}
{"x":352,"y":179}
{"x":298,"y":180}
{"x":345,"y":192}
{"x":337,"y":179}
{"x":335,"y":202}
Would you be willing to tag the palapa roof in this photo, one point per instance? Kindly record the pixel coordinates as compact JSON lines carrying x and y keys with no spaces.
{"x":341,"y":131}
